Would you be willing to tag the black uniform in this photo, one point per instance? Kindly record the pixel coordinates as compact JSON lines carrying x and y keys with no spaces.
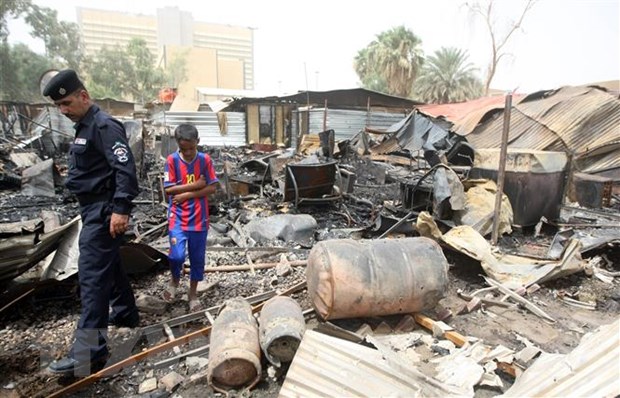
{"x":102,"y":174}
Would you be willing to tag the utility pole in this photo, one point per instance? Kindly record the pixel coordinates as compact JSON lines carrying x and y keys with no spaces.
{"x":501,"y":170}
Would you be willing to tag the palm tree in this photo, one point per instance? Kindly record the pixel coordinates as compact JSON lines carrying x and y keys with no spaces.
{"x":369,"y":77}
{"x":395,"y":58}
{"x":447,"y":76}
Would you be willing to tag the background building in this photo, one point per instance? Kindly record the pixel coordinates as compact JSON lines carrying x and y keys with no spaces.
{"x":217,"y":56}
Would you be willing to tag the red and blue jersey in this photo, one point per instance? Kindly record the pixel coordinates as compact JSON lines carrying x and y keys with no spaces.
{"x":192,"y":214}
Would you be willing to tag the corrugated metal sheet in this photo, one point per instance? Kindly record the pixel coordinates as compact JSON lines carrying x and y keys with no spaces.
{"x":414,"y":133}
{"x":62,"y":128}
{"x":465,"y":116}
{"x":590,"y":370}
{"x":325,"y":366}
{"x":600,"y":163}
{"x":208,"y":127}
{"x":582,"y":117}
{"x":20,"y":253}
{"x":573,"y":119}
{"x":523,"y":133}
{"x":346,"y":123}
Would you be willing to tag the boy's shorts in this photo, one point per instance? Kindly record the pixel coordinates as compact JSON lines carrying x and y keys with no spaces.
{"x":193,"y":243}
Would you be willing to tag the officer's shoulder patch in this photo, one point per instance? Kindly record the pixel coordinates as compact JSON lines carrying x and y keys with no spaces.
{"x":120,"y":151}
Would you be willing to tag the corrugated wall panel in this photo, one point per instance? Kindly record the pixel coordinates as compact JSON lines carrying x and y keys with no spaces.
{"x":208,"y":127}
{"x":346,"y":123}
{"x":294,"y":128}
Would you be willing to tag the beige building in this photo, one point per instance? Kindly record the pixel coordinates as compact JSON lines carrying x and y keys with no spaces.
{"x":217,"y":56}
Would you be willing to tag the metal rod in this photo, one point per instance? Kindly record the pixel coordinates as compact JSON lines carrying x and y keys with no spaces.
{"x":16,"y":300}
{"x":399,"y":223}
{"x":232,"y":268}
{"x":132,"y":360}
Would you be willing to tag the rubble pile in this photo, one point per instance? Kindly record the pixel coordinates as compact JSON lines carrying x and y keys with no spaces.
{"x":379,"y":263}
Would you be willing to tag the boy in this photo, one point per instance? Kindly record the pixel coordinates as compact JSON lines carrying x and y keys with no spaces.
{"x":189,"y":177}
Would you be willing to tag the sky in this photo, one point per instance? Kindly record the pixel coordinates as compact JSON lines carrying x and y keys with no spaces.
{"x":311,"y":45}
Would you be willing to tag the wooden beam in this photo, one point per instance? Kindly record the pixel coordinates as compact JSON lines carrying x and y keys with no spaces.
{"x":458,"y":339}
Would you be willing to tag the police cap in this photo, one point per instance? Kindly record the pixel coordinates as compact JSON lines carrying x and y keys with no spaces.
{"x":64,"y":83}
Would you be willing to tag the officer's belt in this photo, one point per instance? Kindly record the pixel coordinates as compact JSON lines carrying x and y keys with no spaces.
{"x":86,"y":199}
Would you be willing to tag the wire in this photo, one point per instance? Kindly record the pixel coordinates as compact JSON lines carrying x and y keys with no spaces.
{"x":46,"y":127}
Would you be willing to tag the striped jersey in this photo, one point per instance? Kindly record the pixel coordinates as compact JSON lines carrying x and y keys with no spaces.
{"x":192,"y":214}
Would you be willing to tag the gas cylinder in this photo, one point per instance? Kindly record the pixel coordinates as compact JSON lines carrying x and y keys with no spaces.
{"x":281,"y":327}
{"x":234,"y":353}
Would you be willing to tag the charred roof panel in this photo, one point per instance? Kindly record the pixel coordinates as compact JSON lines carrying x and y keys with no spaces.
{"x":583,"y":117}
{"x":579,"y":120}
{"x":523,"y":133}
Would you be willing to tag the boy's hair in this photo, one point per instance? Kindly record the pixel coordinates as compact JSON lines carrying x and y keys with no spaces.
{"x":186,"y":132}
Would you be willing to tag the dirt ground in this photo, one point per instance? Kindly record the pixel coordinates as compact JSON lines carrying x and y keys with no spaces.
{"x":40,"y":327}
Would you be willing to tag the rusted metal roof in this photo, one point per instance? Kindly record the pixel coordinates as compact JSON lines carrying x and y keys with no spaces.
{"x":465,"y":116}
{"x":602,"y":163}
{"x":584,"y":121}
{"x":523,"y":133}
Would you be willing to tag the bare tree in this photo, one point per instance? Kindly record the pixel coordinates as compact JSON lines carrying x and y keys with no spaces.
{"x":497,"y":42}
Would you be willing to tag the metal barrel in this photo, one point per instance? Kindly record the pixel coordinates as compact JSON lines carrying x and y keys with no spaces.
{"x":356,"y":278}
{"x":282,"y":325}
{"x":234,"y":354}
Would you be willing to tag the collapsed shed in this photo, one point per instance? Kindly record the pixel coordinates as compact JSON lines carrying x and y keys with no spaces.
{"x":582,"y":121}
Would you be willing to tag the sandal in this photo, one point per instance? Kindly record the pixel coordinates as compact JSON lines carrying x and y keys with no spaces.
{"x":195,"y":305}
{"x":169,"y":293}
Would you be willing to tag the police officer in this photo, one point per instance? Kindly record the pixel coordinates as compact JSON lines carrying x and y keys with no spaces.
{"x":102,"y":174}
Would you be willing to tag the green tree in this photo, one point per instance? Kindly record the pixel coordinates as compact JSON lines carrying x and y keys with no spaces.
{"x":11,"y":9}
{"x":395,"y":56}
{"x":20,"y":68}
{"x":447,"y":76}
{"x":108,"y":73}
{"x":125,"y":73}
{"x":28,"y":67}
{"x":370,"y":78}
{"x":61,"y":39}
{"x":176,"y":69}
{"x":145,"y":80}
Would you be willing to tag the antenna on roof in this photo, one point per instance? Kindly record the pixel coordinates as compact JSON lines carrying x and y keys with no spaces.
{"x":307,"y":93}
